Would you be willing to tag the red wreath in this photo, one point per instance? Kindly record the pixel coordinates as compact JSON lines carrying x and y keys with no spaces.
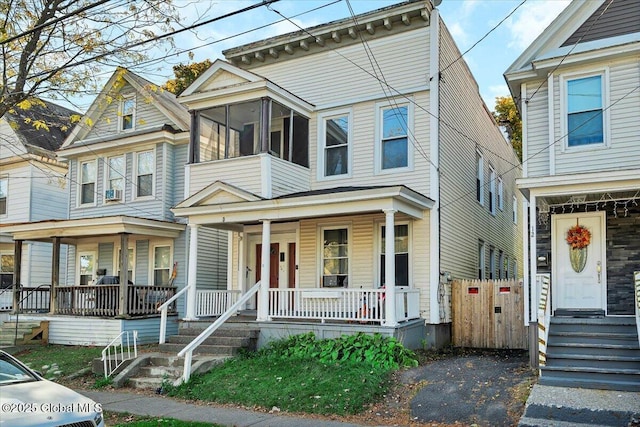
{"x":578,"y":237}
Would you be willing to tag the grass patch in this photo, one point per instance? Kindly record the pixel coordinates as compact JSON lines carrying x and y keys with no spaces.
{"x":69,"y":359}
{"x":301,"y":374}
{"x":115,"y":419}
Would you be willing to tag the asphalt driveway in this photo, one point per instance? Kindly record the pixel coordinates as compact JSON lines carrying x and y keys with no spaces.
{"x":476,"y":387}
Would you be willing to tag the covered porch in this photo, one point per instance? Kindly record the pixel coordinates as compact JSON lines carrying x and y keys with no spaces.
{"x":96,"y":279}
{"x":321,"y":252}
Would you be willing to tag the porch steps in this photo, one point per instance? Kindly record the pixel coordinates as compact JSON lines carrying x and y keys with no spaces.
{"x":592,"y":351}
{"x":26,"y":333}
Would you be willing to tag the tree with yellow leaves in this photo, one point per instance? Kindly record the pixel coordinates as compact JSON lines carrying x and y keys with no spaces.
{"x":507,"y":115}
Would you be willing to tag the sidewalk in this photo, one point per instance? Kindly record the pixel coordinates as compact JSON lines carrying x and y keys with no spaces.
{"x":159,"y":406}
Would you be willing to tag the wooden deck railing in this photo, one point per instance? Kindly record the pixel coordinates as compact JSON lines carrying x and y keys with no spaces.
{"x":34,"y":299}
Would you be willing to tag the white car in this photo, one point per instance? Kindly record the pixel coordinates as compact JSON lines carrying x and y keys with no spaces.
{"x":27,"y":399}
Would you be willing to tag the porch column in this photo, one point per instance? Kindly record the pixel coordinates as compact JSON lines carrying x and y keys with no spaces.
{"x":265,"y":270}
{"x":533,"y":257}
{"x":17,"y":269}
{"x":390,"y":268}
{"x":265,"y":120}
{"x":193,"y":272}
{"x":55,"y":275}
{"x":194,"y":137}
{"x":124,"y":275}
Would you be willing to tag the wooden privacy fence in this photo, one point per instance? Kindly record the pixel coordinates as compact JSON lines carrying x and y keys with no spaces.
{"x":488,"y":314}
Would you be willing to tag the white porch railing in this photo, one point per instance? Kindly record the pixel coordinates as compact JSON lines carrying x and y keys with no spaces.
{"x":214,"y":302}
{"x":636,"y":277}
{"x":357,"y":305}
{"x":543,"y":283}
{"x":119,"y":351}
{"x":187,"y":352}
{"x":164,"y":310}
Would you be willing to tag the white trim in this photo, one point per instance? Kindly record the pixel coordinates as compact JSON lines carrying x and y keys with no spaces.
{"x":480,"y":176}
{"x":136,"y":156}
{"x":525,"y":119}
{"x":152,"y":258}
{"x":81,"y":183}
{"x":482,"y":259}
{"x":5,"y":178}
{"x":380,"y":107}
{"x":614,"y":180}
{"x":230,"y":261}
{"x":492,"y":190}
{"x":265,"y":176}
{"x":79,"y":254}
{"x":603,"y":72}
{"x":126,"y":98}
{"x":321,"y":228}
{"x":322,"y":120}
{"x":551,"y":128}
{"x":500,"y":194}
{"x":514,"y":210}
{"x":107,"y":175}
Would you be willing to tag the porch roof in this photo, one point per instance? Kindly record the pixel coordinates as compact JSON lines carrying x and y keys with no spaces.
{"x":71,"y":230}
{"x":201,"y":209}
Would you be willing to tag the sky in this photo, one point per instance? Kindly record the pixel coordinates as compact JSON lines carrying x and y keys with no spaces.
{"x":467,"y":20}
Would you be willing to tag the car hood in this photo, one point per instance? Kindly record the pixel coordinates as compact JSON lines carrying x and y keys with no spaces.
{"x":43,"y":403}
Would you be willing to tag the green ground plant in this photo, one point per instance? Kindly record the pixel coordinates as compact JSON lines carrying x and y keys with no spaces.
{"x":69,"y":359}
{"x":301,"y":374}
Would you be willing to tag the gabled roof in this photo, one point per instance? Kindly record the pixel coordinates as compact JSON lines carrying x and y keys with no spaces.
{"x":584,"y":30}
{"x":216,"y":193}
{"x":224,"y":83}
{"x":164,"y":101}
{"x":40,"y":140}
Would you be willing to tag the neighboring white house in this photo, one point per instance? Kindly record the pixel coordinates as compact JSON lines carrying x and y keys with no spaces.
{"x":323,"y":150}
{"x":31,"y":177}
{"x":577,"y":87}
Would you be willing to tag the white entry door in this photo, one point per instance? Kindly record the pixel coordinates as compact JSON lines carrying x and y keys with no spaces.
{"x":585,"y":289}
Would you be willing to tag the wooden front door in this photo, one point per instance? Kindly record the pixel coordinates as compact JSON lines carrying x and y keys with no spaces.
{"x":274,"y":261}
{"x":578,"y":285}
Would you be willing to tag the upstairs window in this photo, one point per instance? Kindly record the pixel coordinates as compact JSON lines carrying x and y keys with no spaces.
{"x":393,"y":137}
{"x":500,"y":194}
{"x":335,"y":257}
{"x":492,"y":190}
{"x":336,"y":144}
{"x":514,"y":212}
{"x":115,"y":173}
{"x":87,"y":182}
{"x":4,"y":192}
{"x":481,"y":260}
{"x":144,"y":174}
{"x":585,"y":120}
{"x":126,"y":118}
{"x":480,"y":178}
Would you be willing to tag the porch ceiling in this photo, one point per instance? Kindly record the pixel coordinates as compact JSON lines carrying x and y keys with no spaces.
{"x":74,"y":229}
{"x":313,"y":204}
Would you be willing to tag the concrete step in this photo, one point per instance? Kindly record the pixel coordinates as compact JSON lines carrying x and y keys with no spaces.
{"x":221,"y":332}
{"x":547,"y":416}
{"x":214,"y":340}
{"x":160,"y":372}
{"x":594,"y":378}
{"x":204,"y":349}
{"x":145,"y":383}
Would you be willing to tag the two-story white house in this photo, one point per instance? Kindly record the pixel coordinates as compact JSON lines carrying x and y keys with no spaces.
{"x":578,"y":91}
{"x":358,"y":172}
{"x":31,"y":177}
{"x":126,"y":170}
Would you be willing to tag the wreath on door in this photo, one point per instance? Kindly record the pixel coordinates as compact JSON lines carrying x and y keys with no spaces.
{"x":578,"y":238}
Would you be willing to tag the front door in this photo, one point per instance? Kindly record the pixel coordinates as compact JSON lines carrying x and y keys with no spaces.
{"x":274,"y":263}
{"x":579,"y":275}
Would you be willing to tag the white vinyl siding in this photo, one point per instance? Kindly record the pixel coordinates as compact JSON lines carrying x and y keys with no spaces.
{"x":287,"y":177}
{"x":212,"y":258}
{"x":234,"y":172}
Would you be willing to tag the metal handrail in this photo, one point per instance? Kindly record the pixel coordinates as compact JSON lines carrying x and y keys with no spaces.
{"x":544,"y":320}
{"x":636,"y":276}
{"x":187,"y":351}
{"x":163,"y":309}
{"x":107,"y":354}
{"x":19,"y":304}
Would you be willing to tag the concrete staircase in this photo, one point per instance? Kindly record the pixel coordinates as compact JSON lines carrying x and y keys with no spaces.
{"x":588,"y":350}
{"x":28,"y":332}
{"x":152,"y":371}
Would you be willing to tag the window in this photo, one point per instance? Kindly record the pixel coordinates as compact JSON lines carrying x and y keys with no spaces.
{"x":481,"y":260}
{"x":393,"y":137}
{"x":492,"y":190}
{"x":500,"y":194}
{"x":514,"y":269}
{"x":479,"y":178}
{"x":87,"y":268}
{"x":6,"y":270}
{"x":127,"y":112}
{"x":87,"y":182}
{"x":492,"y":263}
{"x":144,"y":179}
{"x":4,"y":191}
{"x":335,"y":257}
{"x":336,"y":135}
{"x":130,"y":264}
{"x":115,"y":173}
{"x":401,"y":246}
{"x":514,"y":213}
{"x":585,"y":124}
{"x":501,"y":266}
{"x":161,"y":265}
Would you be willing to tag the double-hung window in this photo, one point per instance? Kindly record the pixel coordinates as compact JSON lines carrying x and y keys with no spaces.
{"x":335,"y":257}
{"x":127,"y":113}
{"x":481,"y":260}
{"x":144,"y":174}
{"x":115,"y":173}
{"x":6,"y":270}
{"x":492,"y":190}
{"x":479,"y":178}
{"x":393,"y":136}
{"x":87,"y":182}
{"x":161,"y":265}
{"x":4,"y":192}
{"x":401,"y":253}
{"x":336,"y":144}
{"x":514,"y":213}
{"x":585,"y":118}
{"x":87,"y":267}
{"x":500,"y":194}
